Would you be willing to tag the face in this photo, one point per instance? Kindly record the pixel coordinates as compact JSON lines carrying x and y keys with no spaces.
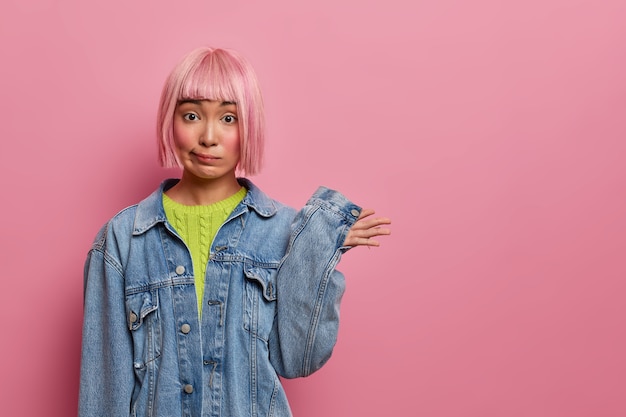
{"x":206,"y":136}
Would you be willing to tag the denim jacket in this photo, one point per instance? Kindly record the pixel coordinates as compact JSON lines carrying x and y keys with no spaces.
{"x":270,"y":309}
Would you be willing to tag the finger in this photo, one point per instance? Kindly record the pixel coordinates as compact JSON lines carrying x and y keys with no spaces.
{"x":379,"y":231}
{"x":368,"y":212}
{"x":378,"y":221}
{"x":371,"y":223}
{"x":371,"y":232}
{"x":360,"y":241}
{"x":367,"y":242}
{"x":365,"y":213}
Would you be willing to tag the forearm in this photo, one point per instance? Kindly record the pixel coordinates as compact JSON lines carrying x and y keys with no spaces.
{"x":309,"y":286}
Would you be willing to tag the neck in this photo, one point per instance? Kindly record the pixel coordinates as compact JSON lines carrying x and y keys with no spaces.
{"x":194,"y":191}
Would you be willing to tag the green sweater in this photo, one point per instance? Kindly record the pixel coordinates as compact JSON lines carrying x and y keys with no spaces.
{"x":197,"y":225}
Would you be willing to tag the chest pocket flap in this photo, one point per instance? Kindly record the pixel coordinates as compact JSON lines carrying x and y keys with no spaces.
{"x":259,"y":300}
{"x":265,"y":278}
{"x":139,"y":306}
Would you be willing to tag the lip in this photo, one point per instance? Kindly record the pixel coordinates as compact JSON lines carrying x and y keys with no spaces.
{"x":206,"y":158}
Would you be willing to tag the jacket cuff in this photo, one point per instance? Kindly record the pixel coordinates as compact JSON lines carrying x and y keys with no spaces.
{"x":346,"y":211}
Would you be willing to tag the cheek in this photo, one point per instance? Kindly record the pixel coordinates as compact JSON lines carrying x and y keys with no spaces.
{"x":233,"y":144}
{"x":180,"y":135}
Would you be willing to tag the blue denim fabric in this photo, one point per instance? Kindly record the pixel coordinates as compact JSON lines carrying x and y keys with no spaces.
{"x":271,"y":308}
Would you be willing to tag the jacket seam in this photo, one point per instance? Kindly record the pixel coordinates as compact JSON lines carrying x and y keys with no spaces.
{"x":308,"y":353}
{"x":172,"y":282}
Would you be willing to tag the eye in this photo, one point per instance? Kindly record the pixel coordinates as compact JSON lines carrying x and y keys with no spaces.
{"x":190,"y":117}
{"x":229,"y":119}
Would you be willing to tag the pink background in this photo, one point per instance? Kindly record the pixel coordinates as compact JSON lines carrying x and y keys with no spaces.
{"x":492,"y":132}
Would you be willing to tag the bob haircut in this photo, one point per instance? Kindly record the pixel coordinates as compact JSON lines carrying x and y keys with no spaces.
{"x":220,"y":75}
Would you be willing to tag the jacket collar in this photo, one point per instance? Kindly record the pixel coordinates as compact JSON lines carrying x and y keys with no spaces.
{"x":150,"y":211}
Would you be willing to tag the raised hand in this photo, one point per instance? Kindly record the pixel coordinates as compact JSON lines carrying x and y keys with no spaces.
{"x":366,"y":228}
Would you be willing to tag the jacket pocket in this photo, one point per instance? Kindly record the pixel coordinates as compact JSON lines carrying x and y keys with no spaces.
{"x":259,"y":302}
{"x":142,"y":320}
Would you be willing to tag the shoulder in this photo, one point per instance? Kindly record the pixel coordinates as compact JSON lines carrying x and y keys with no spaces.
{"x":262,"y":204}
{"x":132,"y":220}
{"x":119,"y":225}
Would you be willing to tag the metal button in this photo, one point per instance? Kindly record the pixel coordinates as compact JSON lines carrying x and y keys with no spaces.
{"x":185,"y":328}
{"x":355,"y":212}
{"x":180,"y":269}
{"x":133,"y":317}
{"x":188,"y":388}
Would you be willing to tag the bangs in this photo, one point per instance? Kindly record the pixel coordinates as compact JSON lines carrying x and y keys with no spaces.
{"x":214,"y":78}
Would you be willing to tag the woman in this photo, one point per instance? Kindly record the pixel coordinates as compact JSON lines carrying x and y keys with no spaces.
{"x":200,"y":296}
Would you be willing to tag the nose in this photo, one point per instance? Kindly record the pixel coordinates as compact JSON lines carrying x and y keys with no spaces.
{"x":208,"y":136}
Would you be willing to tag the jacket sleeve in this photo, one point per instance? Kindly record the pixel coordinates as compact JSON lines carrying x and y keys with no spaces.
{"x":106,"y":372}
{"x":309,"y":289}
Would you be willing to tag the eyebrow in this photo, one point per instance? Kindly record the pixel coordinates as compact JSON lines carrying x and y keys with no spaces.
{"x":198,"y":102}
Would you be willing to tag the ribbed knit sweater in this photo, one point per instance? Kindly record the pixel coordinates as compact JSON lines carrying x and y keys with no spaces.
{"x":197,"y":226}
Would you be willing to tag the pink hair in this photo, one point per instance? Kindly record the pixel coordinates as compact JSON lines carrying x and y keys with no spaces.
{"x":214,"y":74}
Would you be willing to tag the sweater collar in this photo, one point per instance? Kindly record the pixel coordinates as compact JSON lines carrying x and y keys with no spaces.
{"x":150,"y":211}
